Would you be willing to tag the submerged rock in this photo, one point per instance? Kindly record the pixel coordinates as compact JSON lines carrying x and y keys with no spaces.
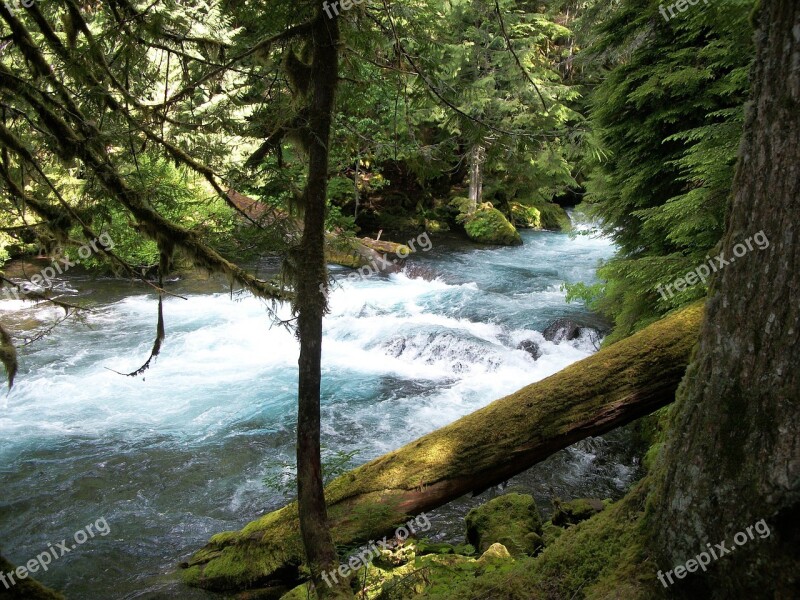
{"x":531,"y":348}
{"x":508,"y":520}
{"x":575,"y":511}
{"x":562,"y":330}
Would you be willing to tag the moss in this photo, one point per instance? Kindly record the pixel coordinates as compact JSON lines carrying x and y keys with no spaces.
{"x":489,"y":226}
{"x":506,"y":519}
{"x":528,"y":217}
{"x":575,"y":511}
{"x":601,"y":558}
{"x":554,"y":218}
{"x":461,"y":205}
{"x":304,"y":591}
{"x":550,"y":533}
{"x":549,"y":216}
{"x":428,"y":547}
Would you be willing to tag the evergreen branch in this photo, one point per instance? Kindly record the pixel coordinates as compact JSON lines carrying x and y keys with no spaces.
{"x":429,"y":84}
{"x":514,"y":54}
{"x":292,"y":32}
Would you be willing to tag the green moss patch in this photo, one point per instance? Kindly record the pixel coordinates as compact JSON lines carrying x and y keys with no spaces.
{"x":508,"y":520}
{"x":489,"y":226}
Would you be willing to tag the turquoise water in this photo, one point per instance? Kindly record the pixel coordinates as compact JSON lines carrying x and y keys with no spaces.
{"x":172,"y":457}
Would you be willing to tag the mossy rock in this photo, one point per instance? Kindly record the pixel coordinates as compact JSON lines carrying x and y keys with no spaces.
{"x":489,"y":226}
{"x":527,"y":217}
{"x":554,"y":218}
{"x":539,"y":215}
{"x":575,"y":511}
{"x":603,"y":558}
{"x":412,"y":579}
{"x":533,"y":543}
{"x":550,"y":533}
{"x":435,"y":226}
{"x":494,"y":552}
{"x":507,"y":519}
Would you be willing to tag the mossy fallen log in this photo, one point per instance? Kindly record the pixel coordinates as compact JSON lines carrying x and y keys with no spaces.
{"x":611,"y":388}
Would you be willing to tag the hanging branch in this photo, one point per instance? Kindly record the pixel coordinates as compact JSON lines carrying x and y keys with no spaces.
{"x":87,"y":145}
{"x":514,"y":54}
{"x":83,"y":71}
{"x":160,"y":335}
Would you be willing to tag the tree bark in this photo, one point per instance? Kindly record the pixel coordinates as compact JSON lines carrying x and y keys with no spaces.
{"x":733,"y":454}
{"x":476,"y":158}
{"x":311,"y":277}
{"x":613,"y":387}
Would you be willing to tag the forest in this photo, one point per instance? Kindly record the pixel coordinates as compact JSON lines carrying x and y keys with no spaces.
{"x":448,"y":299}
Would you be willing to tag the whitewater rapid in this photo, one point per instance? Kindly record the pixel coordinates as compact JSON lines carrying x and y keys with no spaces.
{"x":192,"y":447}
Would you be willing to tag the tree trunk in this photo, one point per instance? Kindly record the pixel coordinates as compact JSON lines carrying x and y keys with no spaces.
{"x":311,"y":277}
{"x":620,"y":383}
{"x":476,"y":157}
{"x":733,"y":454}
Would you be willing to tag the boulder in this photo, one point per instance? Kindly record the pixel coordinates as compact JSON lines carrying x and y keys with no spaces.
{"x":531,"y":348}
{"x":493,"y":553}
{"x":528,"y":217}
{"x":562,"y":330}
{"x":575,"y":511}
{"x":489,"y":226}
{"x":507,"y":519}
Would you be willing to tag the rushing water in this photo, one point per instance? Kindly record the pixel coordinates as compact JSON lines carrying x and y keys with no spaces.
{"x":183,"y":452}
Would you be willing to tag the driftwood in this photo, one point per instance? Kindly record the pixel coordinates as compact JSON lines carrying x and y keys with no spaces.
{"x":339,"y":249}
{"x":611,"y":388}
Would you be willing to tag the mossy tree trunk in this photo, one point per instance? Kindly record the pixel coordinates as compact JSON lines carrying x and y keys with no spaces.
{"x":613,"y":387}
{"x":310,"y":278}
{"x":733,"y":455}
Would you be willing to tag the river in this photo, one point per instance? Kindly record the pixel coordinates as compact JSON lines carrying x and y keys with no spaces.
{"x":203,"y":441}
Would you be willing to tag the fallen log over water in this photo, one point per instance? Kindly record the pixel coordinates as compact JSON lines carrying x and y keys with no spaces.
{"x":611,"y":388}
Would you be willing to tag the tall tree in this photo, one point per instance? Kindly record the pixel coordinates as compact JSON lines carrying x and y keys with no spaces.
{"x":311,"y":277}
{"x":733,"y":456}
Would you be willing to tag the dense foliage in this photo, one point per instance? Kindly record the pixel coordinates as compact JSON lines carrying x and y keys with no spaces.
{"x":668,"y":115}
